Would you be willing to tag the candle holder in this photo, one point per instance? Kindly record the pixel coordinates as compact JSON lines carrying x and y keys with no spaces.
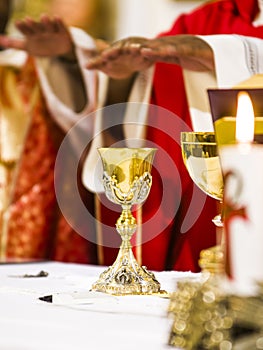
{"x":127,"y":181}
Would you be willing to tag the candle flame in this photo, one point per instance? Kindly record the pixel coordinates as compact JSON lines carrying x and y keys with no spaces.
{"x":245,"y":118}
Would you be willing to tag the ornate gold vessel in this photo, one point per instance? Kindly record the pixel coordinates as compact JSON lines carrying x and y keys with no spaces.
{"x":127,"y":181}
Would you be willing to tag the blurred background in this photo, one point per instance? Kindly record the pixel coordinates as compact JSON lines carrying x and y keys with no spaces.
{"x":109,"y":19}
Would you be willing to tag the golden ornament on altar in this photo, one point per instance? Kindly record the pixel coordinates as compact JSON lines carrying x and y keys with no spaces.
{"x":205,"y":316}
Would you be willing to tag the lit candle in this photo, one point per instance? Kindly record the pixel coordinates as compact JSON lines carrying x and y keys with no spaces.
{"x":242,"y":166}
{"x":245,"y":119}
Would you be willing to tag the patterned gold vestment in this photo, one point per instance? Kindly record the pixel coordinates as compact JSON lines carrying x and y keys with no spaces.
{"x":31,"y":226}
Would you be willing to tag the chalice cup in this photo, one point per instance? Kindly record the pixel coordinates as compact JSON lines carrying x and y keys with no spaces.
{"x":127,"y":181}
{"x":200,"y":155}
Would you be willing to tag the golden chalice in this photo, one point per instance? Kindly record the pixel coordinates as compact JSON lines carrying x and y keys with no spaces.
{"x":200,"y":155}
{"x":127,"y":181}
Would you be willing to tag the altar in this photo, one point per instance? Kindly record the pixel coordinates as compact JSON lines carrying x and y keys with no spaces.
{"x":77,"y":318}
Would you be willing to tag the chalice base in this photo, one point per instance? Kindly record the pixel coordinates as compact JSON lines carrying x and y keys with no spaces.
{"x":126,"y":277}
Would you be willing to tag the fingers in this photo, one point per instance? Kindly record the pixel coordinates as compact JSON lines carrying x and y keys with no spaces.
{"x":47,"y":25}
{"x":59,"y":25}
{"x":121,"y":58}
{"x":95,"y":63}
{"x":130,"y":46}
{"x":24,"y":27}
{"x":102,"y":58}
{"x":12,"y":43}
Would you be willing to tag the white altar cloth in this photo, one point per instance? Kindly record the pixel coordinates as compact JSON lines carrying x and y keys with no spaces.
{"x":99,"y":322}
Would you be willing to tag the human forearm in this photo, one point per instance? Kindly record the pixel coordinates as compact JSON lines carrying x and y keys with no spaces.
{"x":188,"y":51}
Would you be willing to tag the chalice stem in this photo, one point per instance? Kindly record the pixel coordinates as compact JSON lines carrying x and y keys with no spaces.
{"x":126,"y":276}
{"x":212,"y":259}
{"x":218,"y":221}
{"x":126,"y":226}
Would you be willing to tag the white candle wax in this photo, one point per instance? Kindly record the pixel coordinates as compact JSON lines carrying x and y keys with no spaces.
{"x":242,"y":166}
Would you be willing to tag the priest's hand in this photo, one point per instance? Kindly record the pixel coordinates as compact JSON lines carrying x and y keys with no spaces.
{"x":48,"y":37}
{"x":188,"y":51}
{"x":121,"y":59}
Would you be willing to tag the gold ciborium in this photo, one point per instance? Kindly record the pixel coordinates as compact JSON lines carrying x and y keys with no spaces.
{"x":127,"y":181}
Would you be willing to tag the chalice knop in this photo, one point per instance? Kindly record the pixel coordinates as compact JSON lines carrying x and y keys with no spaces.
{"x":127,"y":181}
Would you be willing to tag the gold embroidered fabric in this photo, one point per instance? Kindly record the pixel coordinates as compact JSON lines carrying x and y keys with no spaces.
{"x":32,"y":226}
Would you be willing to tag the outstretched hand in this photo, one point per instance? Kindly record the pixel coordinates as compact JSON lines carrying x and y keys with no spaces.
{"x":124,"y":57}
{"x":46,"y":38}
